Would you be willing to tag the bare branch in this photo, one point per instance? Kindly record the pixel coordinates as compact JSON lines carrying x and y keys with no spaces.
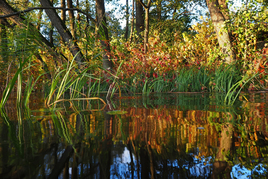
{"x":36,"y":8}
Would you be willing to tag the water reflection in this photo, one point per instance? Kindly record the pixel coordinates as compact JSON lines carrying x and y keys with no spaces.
{"x":164,"y":136}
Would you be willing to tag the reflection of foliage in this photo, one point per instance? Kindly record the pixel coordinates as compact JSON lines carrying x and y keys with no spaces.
{"x":179,"y":138}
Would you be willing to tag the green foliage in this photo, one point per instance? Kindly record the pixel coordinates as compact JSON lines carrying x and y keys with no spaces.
{"x":12,"y":83}
{"x":225,"y":77}
{"x":180,"y":58}
{"x":68,"y":79}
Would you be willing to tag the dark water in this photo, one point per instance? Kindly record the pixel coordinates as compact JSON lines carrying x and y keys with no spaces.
{"x":161,"y":136}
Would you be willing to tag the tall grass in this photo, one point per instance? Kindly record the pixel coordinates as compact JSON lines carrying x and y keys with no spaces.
{"x":69,"y":79}
{"x":188,"y":79}
{"x":11,"y":84}
{"x":20,"y":50}
{"x":235,"y":90}
{"x":225,"y":77}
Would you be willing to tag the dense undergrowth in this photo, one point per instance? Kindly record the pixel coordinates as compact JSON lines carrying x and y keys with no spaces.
{"x":190,"y":62}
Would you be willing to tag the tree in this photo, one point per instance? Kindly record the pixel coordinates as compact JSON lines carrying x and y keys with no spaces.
{"x":132,"y":22}
{"x":219,"y":14}
{"x":63,"y":14}
{"x":139,"y":19}
{"x":71,"y":18}
{"x":39,"y":40}
{"x":51,"y":30}
{"x":146,"y":32}
{"x":103,"y":34}
{"x":127,"y":19}
{"x":63,"y":31}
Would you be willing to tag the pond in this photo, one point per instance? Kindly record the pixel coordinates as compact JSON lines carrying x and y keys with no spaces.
{"x":182,"y":135}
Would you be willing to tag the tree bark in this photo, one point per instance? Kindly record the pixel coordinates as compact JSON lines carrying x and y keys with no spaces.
{"x":51,"y":34}
{"x":104,"y":40}
{"x":78,"y":31}
{"x":139,"y":19}
{"x":51,"y":30}
{"x":219,"y":14}
{"x":127,"y":19}
{"x":132,"y":22}
{"x":63,"y":14}
{"x":146,"y":32}
{"x":64,"y":32}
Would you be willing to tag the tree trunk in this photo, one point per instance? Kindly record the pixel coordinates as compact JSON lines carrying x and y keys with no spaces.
{"x":219,"y":14}
{"x":17,"y":19}
{"x":63,"y":14}
{"x":71,"y":18}
{"x":63,"y":17}
{"x":51,"y":34}
{"x":132,"y":22}
{"x":127,"y":19}
{"x":102,"y":27}
{"x":64,"y":32}
{"x":146,"y":32}
{"x":139,"y":18}
{"x":78,"y":31}
{"x":51,"y":30}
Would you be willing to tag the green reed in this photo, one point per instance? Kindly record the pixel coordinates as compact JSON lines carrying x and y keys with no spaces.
{"x":17,"y":79}
{"x":68,"y":79}
{"x":235,"y":89}
{"x":225,"y":77}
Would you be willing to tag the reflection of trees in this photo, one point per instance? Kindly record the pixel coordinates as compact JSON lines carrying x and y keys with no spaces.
{"x":162,"y":142}
{"x":221,"y":167}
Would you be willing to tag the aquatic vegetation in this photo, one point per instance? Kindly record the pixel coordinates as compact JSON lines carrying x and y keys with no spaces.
{"x":69,"y":79}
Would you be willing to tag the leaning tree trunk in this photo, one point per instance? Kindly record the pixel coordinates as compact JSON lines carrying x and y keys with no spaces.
{"x":218,"y":12}
{"x":102,"y":27}
{"x":64,"y":32}
{"x":39,"y":40}
{"x":18,"y":20}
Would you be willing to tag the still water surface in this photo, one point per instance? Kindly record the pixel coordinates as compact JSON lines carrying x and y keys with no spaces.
{"x":161,"y":136}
